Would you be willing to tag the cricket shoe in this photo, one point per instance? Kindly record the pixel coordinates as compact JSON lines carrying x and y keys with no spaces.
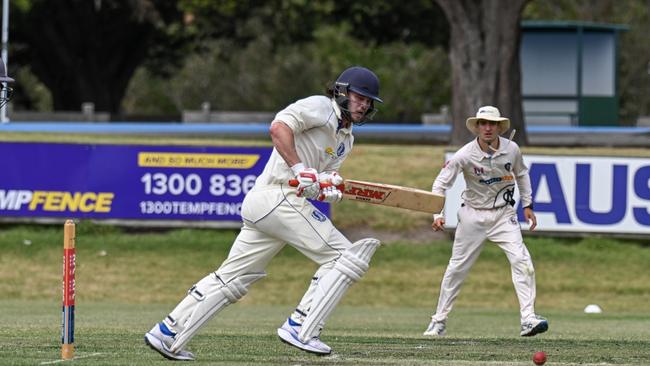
{"x":436,"y":329}
{"x":160,"y":339}
{"x":533,"y":326}
{"x":288,"y":333}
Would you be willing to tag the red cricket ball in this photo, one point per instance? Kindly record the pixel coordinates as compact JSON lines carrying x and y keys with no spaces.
{"x":539,"y":358}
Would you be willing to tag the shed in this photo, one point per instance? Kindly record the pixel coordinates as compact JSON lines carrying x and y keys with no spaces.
{"x":569,"y":73}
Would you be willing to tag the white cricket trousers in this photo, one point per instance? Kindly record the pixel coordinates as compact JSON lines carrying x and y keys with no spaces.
{"x":274,"y":216}
{"x":501,"y":227}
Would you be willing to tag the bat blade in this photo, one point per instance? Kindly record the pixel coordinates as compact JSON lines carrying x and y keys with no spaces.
{"x":388,"y":195}
{"x":394,"y":196}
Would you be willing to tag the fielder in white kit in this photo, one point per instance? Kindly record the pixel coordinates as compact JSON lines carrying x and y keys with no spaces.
{"x":311,"y":138}
{"x":490,"y":165}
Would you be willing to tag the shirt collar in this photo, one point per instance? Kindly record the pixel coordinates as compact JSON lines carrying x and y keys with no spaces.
{"x":483,"y":155}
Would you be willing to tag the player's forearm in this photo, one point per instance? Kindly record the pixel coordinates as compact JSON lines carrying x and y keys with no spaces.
{"x":282,"y":138}
{"x":525,"y":190}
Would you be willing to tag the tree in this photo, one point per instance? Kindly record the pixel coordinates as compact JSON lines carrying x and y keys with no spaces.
{"x":484,"y":56}
{"x":87,"y":51}
{"x":289,"y":21}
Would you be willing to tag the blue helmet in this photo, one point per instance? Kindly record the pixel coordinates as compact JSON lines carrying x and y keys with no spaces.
{"x":5,"y":91}
{"x":361,"y":81}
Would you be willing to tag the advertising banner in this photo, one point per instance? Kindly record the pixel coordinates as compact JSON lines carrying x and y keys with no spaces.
{"x":128,"y":182}
{"x":580,"y":194}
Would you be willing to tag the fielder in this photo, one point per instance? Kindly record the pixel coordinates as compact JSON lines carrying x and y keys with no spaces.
{"x":6,"y":92}
{"x":311,"y":139}
{"x":490,"y":165}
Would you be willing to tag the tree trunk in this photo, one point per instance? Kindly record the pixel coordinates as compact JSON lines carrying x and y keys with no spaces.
{"x":484,"y":56}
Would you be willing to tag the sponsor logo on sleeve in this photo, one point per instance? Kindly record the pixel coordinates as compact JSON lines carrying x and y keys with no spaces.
{"x":319,"y":216}
{"x":340,"y":150}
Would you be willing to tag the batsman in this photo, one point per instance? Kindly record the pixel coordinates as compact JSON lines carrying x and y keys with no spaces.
{"x":311,"y":139}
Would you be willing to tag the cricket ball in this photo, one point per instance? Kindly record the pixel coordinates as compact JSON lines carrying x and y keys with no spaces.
{"x":539,"y":358}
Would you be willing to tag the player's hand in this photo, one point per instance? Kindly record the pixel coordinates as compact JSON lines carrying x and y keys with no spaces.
{"x":330,"y":194}
{"x":330,"y":177}
{"x":308,"y":185}
{"x":530,"y":217}
{"x":438,"y":223}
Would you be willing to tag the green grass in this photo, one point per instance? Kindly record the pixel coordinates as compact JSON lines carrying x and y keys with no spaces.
{"x":158,"y":267}
{"x":111,"y":334}
{"x":126,"y":281}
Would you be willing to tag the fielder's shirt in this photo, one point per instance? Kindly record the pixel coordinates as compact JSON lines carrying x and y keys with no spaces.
{"x":490,"y":179}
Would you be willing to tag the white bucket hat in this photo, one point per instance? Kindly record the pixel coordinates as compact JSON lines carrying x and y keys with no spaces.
{"x":489,"y":113}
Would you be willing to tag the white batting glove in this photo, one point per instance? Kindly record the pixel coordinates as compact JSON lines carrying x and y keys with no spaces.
{"x":308,"y":185}
{"x":330,"y":177}
{"x":330,"y":194}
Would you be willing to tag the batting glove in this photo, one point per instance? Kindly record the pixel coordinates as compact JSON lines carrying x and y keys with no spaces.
{"x":330,"y":177}
{"x":308,"y":185}
{"x":330,"y":194}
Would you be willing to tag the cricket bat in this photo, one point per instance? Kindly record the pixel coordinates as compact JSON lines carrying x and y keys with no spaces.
{"x":388,"y":195}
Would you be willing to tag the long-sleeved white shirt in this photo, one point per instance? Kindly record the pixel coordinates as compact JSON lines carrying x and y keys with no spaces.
{"x":490,"y":179}
{"x":319,"y":141}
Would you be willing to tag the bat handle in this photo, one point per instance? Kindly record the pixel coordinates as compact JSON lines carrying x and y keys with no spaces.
{"x":295,"y":183}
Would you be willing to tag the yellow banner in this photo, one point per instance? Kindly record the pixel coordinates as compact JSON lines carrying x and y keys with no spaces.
{"x":192,"y":160}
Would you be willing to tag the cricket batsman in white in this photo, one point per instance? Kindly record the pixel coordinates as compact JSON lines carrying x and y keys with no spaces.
{"x":311,"y":139}
{"x":491,"y":165}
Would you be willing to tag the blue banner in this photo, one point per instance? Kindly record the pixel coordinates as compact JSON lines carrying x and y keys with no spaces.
{"x":128,"y":182}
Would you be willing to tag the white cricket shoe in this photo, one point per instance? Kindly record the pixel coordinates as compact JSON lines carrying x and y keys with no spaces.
{"x":161,"y":343}
{"x":288,"y":333}
{"x":533,"y":326}
{"x":436,"y":329}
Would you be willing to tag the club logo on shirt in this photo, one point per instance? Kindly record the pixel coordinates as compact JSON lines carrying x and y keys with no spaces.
{"x":341,"y":149}
{"x":319,"y":216}
{"x":478,"y":170}
{"x":513,"y":220}
{"x":329,"y":151}
{"x":508,"y":166}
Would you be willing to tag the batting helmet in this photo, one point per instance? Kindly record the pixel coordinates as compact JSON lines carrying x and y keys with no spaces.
{"x":5,"y":91}
{"x":361,"y":81}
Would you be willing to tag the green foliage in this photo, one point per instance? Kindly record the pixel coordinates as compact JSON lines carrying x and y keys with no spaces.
{"x":30,"y":92}
{"x":414,"y":79}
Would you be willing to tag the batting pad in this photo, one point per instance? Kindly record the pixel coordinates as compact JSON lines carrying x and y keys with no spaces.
{"x":349,"y":268}
{"x":205,"y":300}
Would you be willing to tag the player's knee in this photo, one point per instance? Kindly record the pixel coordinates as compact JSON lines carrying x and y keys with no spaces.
{"x":453,"y":270}
{"x":355,"y":261}
{"x":456,"y":266}
{"x":232,"y":290}
{"x":523,"y":266}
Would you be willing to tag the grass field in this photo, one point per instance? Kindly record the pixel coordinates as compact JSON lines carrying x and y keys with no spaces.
{"x":111,"y":334}
{"x":126,"y":281}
